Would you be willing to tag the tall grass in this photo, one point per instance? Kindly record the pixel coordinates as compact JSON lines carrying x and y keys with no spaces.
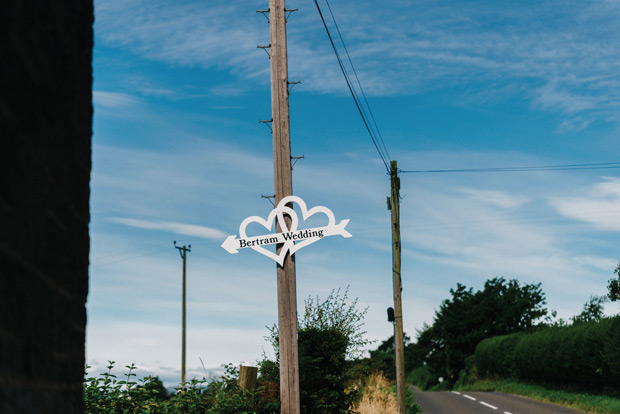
{"x":377,"y":397}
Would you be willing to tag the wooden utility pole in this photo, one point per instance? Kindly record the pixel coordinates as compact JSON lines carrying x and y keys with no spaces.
{"x":393,"y":205}
{"x":287,"y":290}
{"x":183,"y":251}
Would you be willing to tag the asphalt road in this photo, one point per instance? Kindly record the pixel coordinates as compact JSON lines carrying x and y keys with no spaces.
{"x":452,"y":402}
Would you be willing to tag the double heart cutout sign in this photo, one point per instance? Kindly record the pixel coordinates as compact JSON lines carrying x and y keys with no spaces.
{"x":292,"y":238}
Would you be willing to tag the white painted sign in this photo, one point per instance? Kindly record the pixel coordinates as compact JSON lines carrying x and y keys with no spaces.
{"x":293,"y":238}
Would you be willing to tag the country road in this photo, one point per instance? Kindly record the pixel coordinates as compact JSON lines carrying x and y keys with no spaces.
{"x":447,"y":402}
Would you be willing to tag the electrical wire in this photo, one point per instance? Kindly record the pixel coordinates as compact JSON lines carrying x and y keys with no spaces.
{"x":372,"y":117}
{"x":380,"y":147}
{"x":377,"y":139}
{"x":593,"y":166}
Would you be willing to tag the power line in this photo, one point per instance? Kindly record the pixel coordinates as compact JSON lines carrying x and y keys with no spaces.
{"x":593,"y":166}
{"x":372,"y":117}
{"x":380,"y":147}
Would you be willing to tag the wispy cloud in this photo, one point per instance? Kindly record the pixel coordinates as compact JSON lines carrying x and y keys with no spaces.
{"x":188,"y":33}
{"x":173,"y":227}
{"x":114,"y":99}
{"x":565,"y":62}
{"x":599,"y":206}
{"x":495,"y":198}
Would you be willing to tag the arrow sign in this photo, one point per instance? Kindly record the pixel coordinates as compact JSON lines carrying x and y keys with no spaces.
{"x":293,"y":239}
{"x":232,"y":244}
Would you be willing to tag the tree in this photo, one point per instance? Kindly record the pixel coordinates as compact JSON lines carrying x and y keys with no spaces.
{"x":382,"y":359}
{"x":461,"y":322}
{"x":592,"y":310}
{"x":613,"y":289}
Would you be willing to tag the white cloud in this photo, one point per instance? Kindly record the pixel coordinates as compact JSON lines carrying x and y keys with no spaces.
{"x":599,"y":205}
{"x":550,"y":96}
{"x":495,"y":198}
{"x":173,"y":227}
{"x":114,"y":99}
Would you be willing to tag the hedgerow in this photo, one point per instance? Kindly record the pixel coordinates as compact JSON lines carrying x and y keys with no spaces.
{"x":584,"y":355}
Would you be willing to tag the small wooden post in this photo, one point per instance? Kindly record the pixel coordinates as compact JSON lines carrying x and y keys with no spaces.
{"x":247,"y":377}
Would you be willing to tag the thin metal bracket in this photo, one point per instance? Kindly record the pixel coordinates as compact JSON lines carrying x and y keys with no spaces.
{"x":295,"y":162}
{"x":265,"y":49}
{"x":264,"y":13}
{"x":267,"y":122}
{"x":269,"y":197}
{"x":292,"y":84}
{"x":290,"y":11}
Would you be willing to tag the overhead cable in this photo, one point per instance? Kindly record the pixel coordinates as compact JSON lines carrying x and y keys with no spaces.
{"x":371,"y":127}
{"x":594,"y":166}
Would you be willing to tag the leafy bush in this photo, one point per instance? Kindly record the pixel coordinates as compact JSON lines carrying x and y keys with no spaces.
{"x":584,"y":355}
{"x":108,"y":395}
{"x":323,"y":371}
{"x":330,"y":337}
{"x":495,"y":356}
{"x":422,"y":377}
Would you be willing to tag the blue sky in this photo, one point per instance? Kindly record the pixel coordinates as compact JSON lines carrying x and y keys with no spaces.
{"x":179,"y":154}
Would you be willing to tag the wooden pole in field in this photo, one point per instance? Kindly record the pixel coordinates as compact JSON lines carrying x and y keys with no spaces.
{"x":287,"y":291}
{"x":397,"y":285}
{"x":183,"y":251}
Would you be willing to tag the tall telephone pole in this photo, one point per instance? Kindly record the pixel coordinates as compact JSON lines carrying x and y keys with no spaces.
{"x":183,"y":251}
{"x":287,"y":290}
{"x":394,"y":206}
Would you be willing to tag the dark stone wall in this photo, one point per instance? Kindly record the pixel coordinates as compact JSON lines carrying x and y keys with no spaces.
{"x":45,"y":160}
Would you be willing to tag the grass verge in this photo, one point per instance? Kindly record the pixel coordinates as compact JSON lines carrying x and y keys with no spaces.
{"x":379,"y":397}
{"x":590,"y":403}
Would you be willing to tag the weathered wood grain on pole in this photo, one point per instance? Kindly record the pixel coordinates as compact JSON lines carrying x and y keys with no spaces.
{"x":247,"y":377}
{"x":287,"y":291}
{"x":397,"y":285}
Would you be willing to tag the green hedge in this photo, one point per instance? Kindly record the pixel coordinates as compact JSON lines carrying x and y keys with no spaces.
{"x":585,"y":355}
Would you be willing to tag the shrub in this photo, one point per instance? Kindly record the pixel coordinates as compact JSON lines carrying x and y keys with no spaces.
{"x":584,"y":355}
{"x":107,"y":395}
{"x":422,"y":377}
{"x":495,"y":356}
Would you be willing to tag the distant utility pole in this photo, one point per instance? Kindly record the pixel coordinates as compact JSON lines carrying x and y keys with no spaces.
{"x":394,"y":206}
{"x":287,"y":290}
{"x":183,"y":251}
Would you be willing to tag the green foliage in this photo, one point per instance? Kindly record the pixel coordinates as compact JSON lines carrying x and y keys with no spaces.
{"x":334,"y":313}
{"x":107,"y":395}
{"x":592,"y":310}
{"x":584,"y":355}
{"x":422,"y":377}
{"x":382,"y":359}
{"x":613,"y":289}
{"x":323,"y":371}
{"x":495,"y":356}
{"x":412,"y":407}
{"x":330,"y":337}
{"x":467,"y":318}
